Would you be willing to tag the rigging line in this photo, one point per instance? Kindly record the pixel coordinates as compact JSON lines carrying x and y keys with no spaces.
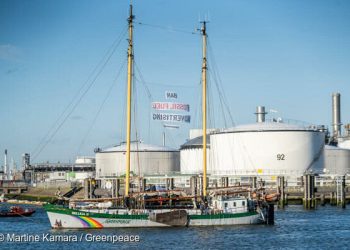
{"x":211,"y":105}
{"x":171,"y":139}
{"x":171,"y":85}
{"x":135,"y":91}
{"x":150,"y":97}
{"x":135,"y":128}
{"x":198,"y":110}
{"x":143,"y":81}
{"x":219,"y":82}
{"x":115,"y":43}
{"x":220,"y":100}
{"x":79,"y":100}
{"x":168,"y":28}
{"x":146,"y":88}
{"x":109,"y":91}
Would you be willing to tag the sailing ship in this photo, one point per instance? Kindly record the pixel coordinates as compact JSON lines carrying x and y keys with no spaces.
{"x":172,"y":208}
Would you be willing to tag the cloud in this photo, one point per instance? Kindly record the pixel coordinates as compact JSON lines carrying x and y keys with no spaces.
{"x":77,"y":117}
{"x":9,"y":52}
{"x":10,"y":71}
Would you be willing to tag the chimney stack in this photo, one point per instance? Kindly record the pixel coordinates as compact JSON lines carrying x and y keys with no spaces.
{"x":260,"y":114}
{"x":336,"y":115}
{"x":5,"y":165}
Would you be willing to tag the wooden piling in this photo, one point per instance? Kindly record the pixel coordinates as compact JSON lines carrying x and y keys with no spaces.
{"x":309,"y":191}
{"x":253,"y":181}
{"x":322,"y":200}
{"x":281,"y":192}
{"x":117,"y":187}
{"x":170,"y":183}
{"x":340,"y":194}
{"x":270,"y":218}
{"x":224,"y":182}
{"x":194,"y":186}
{"x":86,"y":188}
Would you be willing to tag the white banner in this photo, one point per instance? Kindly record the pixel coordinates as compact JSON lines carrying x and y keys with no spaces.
{"x":170,"y":95}
{"x":170,"y":106}
{"x":171,"y":117}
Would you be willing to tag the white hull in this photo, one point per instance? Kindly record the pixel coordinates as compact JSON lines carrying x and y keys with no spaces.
{"x":92,"y":220}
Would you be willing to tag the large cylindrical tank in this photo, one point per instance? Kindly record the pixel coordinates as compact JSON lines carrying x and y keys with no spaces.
{"x":145,"y":159}
{"x":85,"y":160}
{"x":191,"y":156}
{"x":266,"y":149}
{"x":337,"y":161}
{"x":344,"y":143}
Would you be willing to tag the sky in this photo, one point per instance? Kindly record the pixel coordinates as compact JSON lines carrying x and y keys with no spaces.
{"x":63,"y":90}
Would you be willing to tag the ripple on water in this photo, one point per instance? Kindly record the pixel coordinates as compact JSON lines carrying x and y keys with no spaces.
{"x":324,"y":228}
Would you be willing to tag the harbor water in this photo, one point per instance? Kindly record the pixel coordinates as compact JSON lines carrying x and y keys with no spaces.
{"x":295,"y":228}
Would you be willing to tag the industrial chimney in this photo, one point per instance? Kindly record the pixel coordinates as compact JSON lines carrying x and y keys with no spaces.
{"x":5,"y":165}
{"x":336,"y":115}
{"x":260,"y":114}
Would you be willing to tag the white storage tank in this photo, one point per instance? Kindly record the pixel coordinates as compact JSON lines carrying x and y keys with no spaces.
{"x":337,"y":161}
{"x":266,"y":148}
{"x":344,"y":143}
{"x":85,"y":160}
{"x":145,"y":159}
{"x":191,"y":156}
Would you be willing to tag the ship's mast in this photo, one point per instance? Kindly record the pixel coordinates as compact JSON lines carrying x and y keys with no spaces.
{"x":128,"y":118}
{"x":204,"y":105}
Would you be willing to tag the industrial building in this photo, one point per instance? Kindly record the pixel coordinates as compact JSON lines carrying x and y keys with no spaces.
{"x":83,"y":167}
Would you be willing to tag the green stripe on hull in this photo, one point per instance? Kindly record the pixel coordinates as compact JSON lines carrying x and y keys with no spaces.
{"x":62,"y":210}
{"x":221,"y":216}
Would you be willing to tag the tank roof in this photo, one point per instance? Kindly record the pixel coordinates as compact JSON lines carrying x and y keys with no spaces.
{"x":268,"y":126}
{"x":195,"y":142}
{"x":329,"y":147}
{"x":138,"y":146}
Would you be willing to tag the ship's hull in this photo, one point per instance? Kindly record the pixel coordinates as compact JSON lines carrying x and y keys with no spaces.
{"x":69,"y":218}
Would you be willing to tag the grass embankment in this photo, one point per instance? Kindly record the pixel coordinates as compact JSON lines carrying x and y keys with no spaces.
{"x":47,"y":194}
{"x":28,"y":197}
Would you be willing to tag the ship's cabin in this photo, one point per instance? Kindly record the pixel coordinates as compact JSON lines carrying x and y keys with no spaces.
{"x":230,"y":204}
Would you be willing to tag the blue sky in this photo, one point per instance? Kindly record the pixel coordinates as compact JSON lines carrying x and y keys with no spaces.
{"x":287,"y":55}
